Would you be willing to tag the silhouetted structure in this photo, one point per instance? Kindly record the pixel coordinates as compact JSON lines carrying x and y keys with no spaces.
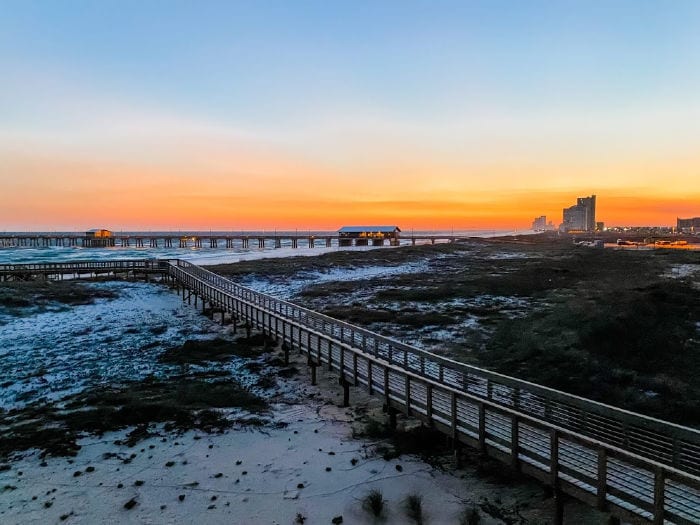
{"x":363,"y":235}
{"x":689,"y":225}
{"x":98,"y":238}
{"x":581,"y":216}
{"x":540,"y":224}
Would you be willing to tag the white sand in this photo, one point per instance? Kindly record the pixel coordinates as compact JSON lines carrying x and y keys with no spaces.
{"x":275,"y":460}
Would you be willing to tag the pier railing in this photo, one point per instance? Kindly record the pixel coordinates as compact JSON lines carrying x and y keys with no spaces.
{"x":636,"y":466}
{"x":82,"y":267}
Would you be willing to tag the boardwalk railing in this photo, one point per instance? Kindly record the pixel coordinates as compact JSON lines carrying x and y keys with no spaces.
{"x":82,"y":267}
{"x":635,"y":466}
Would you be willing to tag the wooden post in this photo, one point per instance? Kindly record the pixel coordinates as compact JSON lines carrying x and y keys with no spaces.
{"x":558,"y":517}
{"x":659,"y":495}
{"x":285,"y":349}
{"x":514,"y":447}
{"x":346,"y":391}
{"x":676,"y":452}
{"x":602,"y":476}
{"x":482,"y":428}
{"x":392,"y":417}
{"x":407,"y":394}
{"x":429,"y":403}
{"x":454,"y":417}
{"x":457,"y":453}
{"x":369,"y":376}
{"x":386,"y":386}
{"x":354,"y":368}
{"x":313,"y":366}
{"x":516,"y":397}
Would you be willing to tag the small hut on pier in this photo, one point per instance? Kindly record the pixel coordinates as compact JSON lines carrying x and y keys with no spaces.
{"x":98,"y":238}
{"x":364,"y":235}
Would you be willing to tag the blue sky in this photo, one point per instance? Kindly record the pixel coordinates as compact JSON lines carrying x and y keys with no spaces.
{"x":271,"y":60}
{"x":360,"y":87}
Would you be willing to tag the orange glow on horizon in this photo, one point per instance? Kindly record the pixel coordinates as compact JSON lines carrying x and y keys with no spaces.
{"x":250,"y":192}
{"x":236,"y":212}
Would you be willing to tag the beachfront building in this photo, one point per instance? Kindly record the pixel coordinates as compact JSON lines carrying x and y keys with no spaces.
{"x":364,"y":235}
{"x":98,"y":238}
{"x":691,"y":225}
{"x":581,"y":216}
{"x":540,"y":224}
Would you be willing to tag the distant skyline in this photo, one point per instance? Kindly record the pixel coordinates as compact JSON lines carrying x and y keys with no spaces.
{"x":276,"y":114}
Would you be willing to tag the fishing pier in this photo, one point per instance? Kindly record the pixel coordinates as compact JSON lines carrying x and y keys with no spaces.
{"x":212,"y":240}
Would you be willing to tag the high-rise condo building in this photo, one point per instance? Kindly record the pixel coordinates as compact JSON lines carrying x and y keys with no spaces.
{"x":691,"y":225}
{"x":540,"y":223}
{"x":581,"y":216}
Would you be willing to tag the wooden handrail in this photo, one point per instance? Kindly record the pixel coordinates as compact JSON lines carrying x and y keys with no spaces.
{"x":634,"y":483}
{"x":641,"y":467}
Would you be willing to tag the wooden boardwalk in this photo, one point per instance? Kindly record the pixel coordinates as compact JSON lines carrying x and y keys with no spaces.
{"x":635,"y":467}
{"x":78,"y":269}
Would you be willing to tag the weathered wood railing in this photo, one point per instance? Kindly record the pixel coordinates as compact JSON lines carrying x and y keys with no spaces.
{"x":82,"y":267}
{"x":635,"y":466}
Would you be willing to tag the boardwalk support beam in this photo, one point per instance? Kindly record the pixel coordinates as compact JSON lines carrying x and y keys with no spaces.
{"x":346,"y":391}
{"x":313,"y":365}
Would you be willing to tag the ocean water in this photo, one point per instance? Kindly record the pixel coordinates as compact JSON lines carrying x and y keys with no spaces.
{"x":205,"y":255}
{"x":51,"y":354}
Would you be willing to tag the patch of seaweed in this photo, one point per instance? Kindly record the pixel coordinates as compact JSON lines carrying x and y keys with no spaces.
{"x":183,"y":402}
{"x":15,"y":295}
{"x":197,"y":351}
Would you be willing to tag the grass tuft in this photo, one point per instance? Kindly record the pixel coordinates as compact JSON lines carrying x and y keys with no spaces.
{"x":374,"y":503}
{"x":414,"y":508}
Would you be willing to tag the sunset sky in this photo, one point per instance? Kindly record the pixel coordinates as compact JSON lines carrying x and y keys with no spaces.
{"x":297,"y":114}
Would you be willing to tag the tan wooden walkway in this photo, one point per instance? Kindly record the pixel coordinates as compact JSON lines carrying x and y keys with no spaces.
{"x":633,"y":466}
{"x":636,"y":467}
